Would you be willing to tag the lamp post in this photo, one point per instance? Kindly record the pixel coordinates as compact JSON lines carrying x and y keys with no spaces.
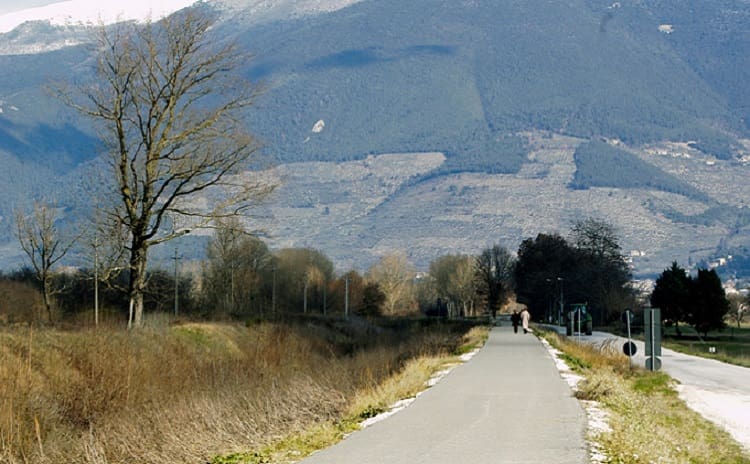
{"x":346,"y":296}
{"x":550,"y":307}
{"x":176,"y":282}
{"x":562,"y":301}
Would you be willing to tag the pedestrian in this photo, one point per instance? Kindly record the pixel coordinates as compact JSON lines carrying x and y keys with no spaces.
{"x":515,"y":319}
{"x":525,"y":317}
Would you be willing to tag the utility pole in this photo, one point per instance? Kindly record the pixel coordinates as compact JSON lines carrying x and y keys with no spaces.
{"x":304,"y":297}
{"x":231,"y":284}
{"x":346,"y":297}
{"x":273,"y":292}
{"x":176,"y":283}
{"x":96,"y":281}
{"x":562,"y":301}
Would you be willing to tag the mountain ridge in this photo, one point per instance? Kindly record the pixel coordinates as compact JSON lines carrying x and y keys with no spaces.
{"x":484,"y":84}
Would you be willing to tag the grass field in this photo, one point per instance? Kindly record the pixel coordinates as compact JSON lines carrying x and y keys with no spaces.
{"x":199,"y":392}
{"x":731,"y":345}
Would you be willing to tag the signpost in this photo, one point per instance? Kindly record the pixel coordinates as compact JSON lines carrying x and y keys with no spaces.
{"x":629,"y":348}
{"x":652,"y":325}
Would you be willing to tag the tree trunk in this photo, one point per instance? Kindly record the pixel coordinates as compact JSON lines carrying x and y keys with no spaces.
{"x":46,"y":297}
{"x":138,"y":259}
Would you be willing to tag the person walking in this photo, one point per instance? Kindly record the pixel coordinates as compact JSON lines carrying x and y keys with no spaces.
{"x":515,"y":319}
{"x":525,"y":317}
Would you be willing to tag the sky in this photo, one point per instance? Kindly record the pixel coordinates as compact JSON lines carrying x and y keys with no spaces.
{"x":15,"y":12}
{"x":7,"y":6}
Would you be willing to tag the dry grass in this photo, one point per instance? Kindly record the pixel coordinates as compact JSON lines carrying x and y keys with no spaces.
{"x":191,"y":392}
{"x":437,"y":349}
{"x":649,"y":423}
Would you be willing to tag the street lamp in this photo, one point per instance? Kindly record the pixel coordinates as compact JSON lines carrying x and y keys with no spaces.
{"x":562,"y":302}
{"x":550,"y":301}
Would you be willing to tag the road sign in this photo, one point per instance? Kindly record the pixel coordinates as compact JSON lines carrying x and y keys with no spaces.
{"x":652,"y":332}
{"x":652,"y":323}
{"x":653,"y":364}
{"x":629,"y":348}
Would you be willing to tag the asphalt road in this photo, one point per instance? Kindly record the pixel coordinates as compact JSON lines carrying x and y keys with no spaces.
{"x":508,"y":404}
{"x":718,"y":391}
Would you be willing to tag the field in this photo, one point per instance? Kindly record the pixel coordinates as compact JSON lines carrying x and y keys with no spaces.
{"x":198,"y":392}
{"x":732,"y":345}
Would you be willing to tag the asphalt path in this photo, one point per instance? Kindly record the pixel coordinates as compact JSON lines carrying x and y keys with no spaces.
{"x":718,"y":391}
{"x":508,"y":404}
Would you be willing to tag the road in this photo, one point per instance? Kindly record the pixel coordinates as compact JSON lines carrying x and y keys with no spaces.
{"x":508,"y":404}
{"x":718,"y":391}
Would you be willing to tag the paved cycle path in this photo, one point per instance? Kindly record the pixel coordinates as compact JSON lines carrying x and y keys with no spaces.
{"x":508,"y":404}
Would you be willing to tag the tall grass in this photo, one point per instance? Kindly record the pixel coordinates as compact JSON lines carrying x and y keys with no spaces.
{"x":190,"y":392}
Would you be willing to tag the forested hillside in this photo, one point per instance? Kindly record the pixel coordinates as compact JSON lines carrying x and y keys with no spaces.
{"x":455,"y":76}
{"x":465,"y":78}
{"x":599,"y":164}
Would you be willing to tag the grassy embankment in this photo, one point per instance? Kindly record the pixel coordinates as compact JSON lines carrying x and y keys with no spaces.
{"x":648,"y":421}
{"x":207,"y":392}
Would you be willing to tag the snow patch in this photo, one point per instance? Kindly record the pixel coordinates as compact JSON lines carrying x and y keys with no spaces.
{"x":72,"y":17}
{"x":91,"y":12}
{"x":596,"y":418}
{"x":666,"y":28}
{"x":318,"y":127}
{"x":268,"y":10}
{"x":402,"y":404}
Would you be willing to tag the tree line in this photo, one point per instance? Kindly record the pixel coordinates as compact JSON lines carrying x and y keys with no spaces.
{"x":242,"y":279}
{"x":698,"y":300}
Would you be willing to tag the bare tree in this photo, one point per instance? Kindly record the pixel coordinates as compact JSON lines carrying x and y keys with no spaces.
{"x":454,"y":279}
{"x":395,"y":276}
{"x":170,"y":114}
{"x":237,"y":265}
{"x":494,"y":269}
{"x":313,"y":276}
{"x":602,"y":269}
{"x":738,"y":308}
{"x":298,"y":271}
{"x":44,"y":245}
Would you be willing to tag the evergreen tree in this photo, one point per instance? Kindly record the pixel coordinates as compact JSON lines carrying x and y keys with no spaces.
{"x":671,"y":295}
{"x":708,"y":303}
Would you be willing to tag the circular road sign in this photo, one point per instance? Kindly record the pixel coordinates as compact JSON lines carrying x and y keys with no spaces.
{"x":656,"y":364}
{"x":629,"y":348}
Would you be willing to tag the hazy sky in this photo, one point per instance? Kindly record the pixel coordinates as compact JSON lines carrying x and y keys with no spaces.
{"x":7,"y":6}
{"x":15,"y":12}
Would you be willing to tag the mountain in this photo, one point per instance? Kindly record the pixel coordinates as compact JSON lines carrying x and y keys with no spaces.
{"x":451,"y":124}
